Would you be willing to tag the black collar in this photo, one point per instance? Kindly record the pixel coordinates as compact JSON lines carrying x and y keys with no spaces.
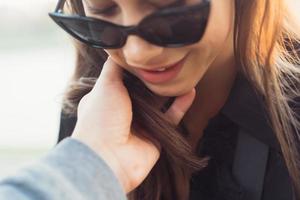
{"x":246,"y":108}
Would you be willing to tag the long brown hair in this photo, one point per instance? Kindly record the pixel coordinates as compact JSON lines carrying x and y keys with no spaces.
{"x":265,"y":39}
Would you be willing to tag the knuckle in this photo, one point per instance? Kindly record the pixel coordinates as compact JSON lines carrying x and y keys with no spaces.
{"x":175,"y":115}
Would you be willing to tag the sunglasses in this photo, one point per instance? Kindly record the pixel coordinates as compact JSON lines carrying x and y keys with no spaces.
{"x":168,"y":27}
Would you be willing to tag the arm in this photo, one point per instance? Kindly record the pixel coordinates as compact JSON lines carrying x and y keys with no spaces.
{"x":55,"y":177}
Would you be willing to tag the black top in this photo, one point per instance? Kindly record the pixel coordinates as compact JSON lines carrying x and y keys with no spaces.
{"x":246,"y":162}
{"x":243,"y":116}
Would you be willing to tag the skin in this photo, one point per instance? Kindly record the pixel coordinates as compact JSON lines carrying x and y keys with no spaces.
{"x":201,"y":89}
{"x":209,"y":66}
{"x":111,"y":137}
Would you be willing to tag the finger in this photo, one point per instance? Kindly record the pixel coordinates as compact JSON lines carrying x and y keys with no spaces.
{"x":111,"y":73}
{"x":180,"y":106}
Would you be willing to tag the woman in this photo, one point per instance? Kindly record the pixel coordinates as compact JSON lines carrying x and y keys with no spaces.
{"x":239,"y":139}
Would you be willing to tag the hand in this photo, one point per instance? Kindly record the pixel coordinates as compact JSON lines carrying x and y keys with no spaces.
{"x":104,"y":124}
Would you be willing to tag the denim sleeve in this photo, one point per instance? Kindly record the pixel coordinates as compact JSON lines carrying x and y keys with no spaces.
{"x":70,"y":171}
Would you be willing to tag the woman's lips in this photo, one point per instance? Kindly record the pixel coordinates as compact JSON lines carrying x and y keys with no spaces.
{"x":157,"y":77}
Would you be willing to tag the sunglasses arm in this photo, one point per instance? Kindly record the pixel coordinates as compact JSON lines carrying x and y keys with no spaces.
{"x":60,"y":5}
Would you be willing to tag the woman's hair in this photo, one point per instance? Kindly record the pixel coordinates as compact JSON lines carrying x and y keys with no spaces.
{"x":266,"y":41}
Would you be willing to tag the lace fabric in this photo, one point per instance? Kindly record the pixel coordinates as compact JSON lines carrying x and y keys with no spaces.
{"x":216,"y":181}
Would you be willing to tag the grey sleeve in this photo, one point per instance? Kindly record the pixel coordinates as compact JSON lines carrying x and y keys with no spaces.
{"x":70,"y":171}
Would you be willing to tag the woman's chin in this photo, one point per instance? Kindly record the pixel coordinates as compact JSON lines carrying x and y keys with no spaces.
{"x":169,"y":91}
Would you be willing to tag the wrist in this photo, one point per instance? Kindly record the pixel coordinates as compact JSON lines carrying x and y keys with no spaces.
{"x":109,"y":158}
{"x":114,"y":164}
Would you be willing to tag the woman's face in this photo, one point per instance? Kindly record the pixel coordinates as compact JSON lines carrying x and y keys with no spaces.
{"x":196,"y":59}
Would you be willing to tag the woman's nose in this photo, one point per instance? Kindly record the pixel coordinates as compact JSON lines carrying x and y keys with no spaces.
{"x":139,"y":52}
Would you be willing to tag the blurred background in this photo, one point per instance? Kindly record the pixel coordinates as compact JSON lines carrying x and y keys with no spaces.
{"x":36,"y":60}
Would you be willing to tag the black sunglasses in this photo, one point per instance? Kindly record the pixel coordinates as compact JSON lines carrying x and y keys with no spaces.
{"x":168,"y":27}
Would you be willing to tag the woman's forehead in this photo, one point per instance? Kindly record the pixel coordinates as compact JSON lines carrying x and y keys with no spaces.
{"x":140,"y":1}
{"x":131,"y":2}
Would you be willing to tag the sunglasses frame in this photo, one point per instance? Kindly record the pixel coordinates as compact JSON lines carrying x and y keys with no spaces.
{"x":58,"y":15}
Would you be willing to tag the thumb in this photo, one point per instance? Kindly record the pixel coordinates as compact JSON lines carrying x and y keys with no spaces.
{"x":180,"y":106}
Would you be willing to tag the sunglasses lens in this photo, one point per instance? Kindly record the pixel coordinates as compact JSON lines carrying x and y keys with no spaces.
{"x":168,"y":28}
{"x":106,"y":35}
{"x":175,"y":30}
{"x":96,"y":33}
